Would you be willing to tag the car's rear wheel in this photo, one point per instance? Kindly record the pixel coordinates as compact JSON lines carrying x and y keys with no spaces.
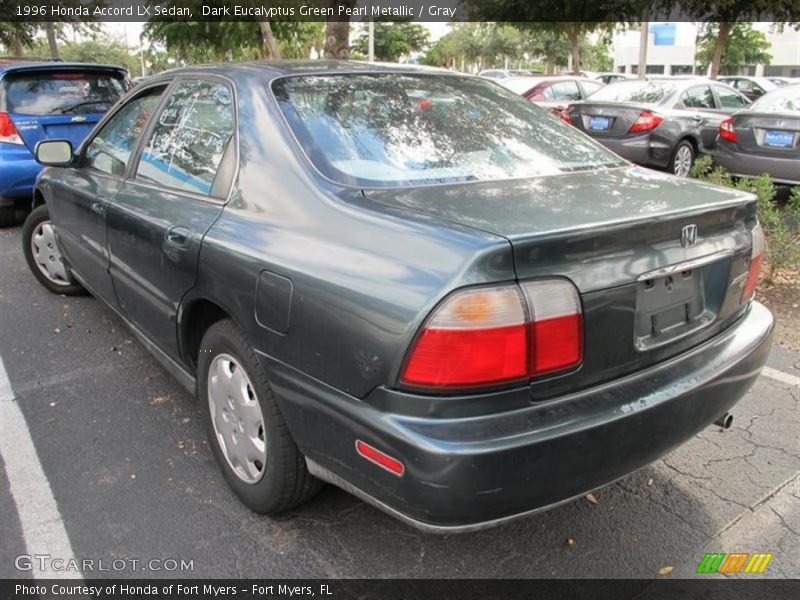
{"x":44,"y":257}
{"x":682,"y":159}
{"x":245,"y":427}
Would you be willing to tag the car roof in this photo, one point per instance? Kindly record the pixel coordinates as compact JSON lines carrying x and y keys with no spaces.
{"x":7,"y":66}
{"x":279,"y":68}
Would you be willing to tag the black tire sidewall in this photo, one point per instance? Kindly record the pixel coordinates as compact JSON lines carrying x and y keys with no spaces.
{"x":266,"y":495}
{"x":38,"y":216}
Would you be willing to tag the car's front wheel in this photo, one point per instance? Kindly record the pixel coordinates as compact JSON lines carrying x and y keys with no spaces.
{"x":44,"y":257}
{"x":682,"y":159}
{"x":245,"y":427}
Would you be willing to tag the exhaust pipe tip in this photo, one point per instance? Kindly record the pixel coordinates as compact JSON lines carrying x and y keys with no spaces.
{"x":725,"y":421}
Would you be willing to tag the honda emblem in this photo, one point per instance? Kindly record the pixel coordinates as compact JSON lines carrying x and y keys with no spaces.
{"x":689,"y":236}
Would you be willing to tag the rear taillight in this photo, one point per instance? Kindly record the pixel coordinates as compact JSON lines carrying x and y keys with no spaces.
{"x":496,"y":335}
{"x":756,"y":259}
{"x":726,"y":131}
{"x":8,"y":132}
{"x":564,"y":114}
{"x":556,"y":325}
{"x":647,"y":121}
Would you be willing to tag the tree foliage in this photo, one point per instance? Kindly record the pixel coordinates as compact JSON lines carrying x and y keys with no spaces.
{"x":394,"y":39}
{"x":745,"y":46}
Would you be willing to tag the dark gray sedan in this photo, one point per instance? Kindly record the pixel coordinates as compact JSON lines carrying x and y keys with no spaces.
{"x":764,"y":138}
{"x":661,"y":123}
{"x":412,"y":284}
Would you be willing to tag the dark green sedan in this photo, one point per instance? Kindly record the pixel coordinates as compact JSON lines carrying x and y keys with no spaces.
{"x":409,"y":283}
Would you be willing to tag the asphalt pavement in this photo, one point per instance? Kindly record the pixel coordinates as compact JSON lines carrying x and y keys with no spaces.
{"x":104,"y":458}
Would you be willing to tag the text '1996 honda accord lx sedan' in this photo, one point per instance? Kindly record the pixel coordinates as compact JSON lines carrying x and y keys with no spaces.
{"x":412,"y":284}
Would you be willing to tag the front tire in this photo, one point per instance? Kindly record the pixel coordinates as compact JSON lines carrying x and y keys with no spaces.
{"x":682,"y":159}
{"x":245,"y":427}
{"x":44,"y":257}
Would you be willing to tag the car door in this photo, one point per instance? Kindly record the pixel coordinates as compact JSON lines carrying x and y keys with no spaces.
{"x":700,"y":114}
{"x":82,"y":195}
{"x":178,"y":187}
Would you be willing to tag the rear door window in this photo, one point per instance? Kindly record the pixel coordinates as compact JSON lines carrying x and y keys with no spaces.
{"x":590,"y":87}
{"x":698,"y":97}
{"x":190,"y":136}
{"x":564,"y":90}
{"x":69,"y":92}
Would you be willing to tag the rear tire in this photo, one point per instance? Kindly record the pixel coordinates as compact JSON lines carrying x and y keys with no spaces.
{"x":44,"y":257}
{"x":245,"y":427}
{"x":8,"y":216}
{"x":682,"y":159}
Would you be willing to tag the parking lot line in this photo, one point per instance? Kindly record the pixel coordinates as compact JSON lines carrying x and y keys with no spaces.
{"x":780,"y":376}
{"x":39,"y":517}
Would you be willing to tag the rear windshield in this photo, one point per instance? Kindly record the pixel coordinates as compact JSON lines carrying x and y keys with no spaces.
{"x":413,"y":129}
{"x":783,"y":100}
{"x":634,"y":91}
{"x":72,"y":92}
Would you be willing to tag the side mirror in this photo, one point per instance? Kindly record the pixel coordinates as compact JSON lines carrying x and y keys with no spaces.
{"x":54,"y":153}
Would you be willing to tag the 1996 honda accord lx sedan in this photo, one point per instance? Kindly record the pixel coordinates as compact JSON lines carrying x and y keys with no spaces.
{"x":412,"y":284}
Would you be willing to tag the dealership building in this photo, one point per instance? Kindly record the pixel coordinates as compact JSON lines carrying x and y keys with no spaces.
{"x":672,"y":47}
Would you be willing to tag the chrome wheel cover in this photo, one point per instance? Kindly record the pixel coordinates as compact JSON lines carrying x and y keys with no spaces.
{"x":682,"y":164}
{"x":236,"y":418}
{"x":47,"y":256}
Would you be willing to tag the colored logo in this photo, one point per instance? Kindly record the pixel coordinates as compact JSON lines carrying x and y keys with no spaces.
{"x":735,"y":562}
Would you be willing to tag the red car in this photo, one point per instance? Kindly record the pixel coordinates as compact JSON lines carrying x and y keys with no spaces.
{"x":553,"y":92}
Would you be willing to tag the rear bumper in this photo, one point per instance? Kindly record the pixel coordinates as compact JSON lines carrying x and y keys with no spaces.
{"x":643,"y":149}
{"x":18,"y":172}
{"x":782,"y":170}
{"x":468,"y":473}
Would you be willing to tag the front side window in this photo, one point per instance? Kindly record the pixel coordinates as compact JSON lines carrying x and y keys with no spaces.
{"x":111,"y":149}
{"x":61,"y":93}
{"x":379,"y":129}
{"x":729,"y":99}
{"x":190,"y":137}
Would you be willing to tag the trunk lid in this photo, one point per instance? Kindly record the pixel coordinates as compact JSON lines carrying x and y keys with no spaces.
{"x":768,"y":134}
{"x":34,"y":129}
{"x":649,"y":289}
{"x":607,"y":120}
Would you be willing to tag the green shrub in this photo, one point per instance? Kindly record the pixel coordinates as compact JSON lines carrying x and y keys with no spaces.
{"x":779,"y":224}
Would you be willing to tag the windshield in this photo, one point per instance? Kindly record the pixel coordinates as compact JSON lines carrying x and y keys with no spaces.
{"x":45,"y":93}
{"x":782,"y":100}
{"x":410,"y":129}
{"x":634,"y":91}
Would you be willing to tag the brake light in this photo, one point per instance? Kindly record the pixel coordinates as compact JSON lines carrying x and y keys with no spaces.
{"x":556,"y":325}
{"x":726,"y":131}
{"x":647,"y":121}
{"x":486,"y":336}
{"x":564,"y":114}
{"x":8,"y":132}
{"x":756,"y":260}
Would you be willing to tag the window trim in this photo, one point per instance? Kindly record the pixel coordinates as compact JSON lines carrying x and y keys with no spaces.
{"x":114,"y":111}
{"x":130,"y":174}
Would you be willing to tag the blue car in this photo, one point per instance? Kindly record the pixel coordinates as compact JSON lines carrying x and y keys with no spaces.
{"x":40,"y":100}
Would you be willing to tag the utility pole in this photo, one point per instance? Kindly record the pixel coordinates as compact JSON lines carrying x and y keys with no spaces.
{"x":644,"y":36}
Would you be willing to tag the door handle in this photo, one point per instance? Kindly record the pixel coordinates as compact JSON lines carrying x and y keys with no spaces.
{"x":178,"y":236}
{"x":98,"y":208}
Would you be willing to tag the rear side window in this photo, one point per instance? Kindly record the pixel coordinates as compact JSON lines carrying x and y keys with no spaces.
{"x":190,"y":137}
{"x":111,"y":149}
{"x":47,"y":93}
{"x":698,"y":97}
{"x":563,"y":90}
{"x":729,"y":98}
